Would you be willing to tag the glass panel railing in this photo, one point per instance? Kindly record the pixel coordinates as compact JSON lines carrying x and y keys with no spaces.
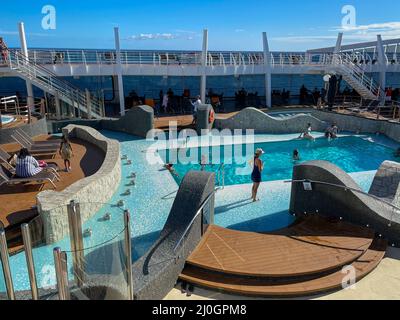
{"x":3,"y":291}
{"x":98,"y":261}
{"x":34,"y":267}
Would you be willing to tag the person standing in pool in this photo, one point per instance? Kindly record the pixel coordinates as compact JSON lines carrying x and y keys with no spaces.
{"x":296,"y":155}
{"x":256,"y":174}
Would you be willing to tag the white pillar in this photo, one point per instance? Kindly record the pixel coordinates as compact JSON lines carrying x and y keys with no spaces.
{"x":204,"y":54}
{"x":267,"y":66}
{"x":382,"y":67}
{"x":338,"y":46}
{"x":88,"y":104}
{"x":119,"y":72}
{"x":58,"y":106}
{"x":24,"y":49}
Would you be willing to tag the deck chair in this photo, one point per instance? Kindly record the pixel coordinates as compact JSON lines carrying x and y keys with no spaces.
{"x":35,"y":149}
{"x":6,"y":177}
{"x":29,"y":140}
{"x":5,"y":157}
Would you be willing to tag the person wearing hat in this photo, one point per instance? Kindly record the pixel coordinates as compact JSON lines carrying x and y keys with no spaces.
{"x":256,"y":174}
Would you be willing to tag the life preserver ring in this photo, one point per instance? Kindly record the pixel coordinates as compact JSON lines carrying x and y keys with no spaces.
{"x":211,"y":117}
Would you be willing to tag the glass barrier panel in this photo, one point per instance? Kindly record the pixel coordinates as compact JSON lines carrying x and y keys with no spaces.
{"x":3,"y":290}
{"x":97,"y":267}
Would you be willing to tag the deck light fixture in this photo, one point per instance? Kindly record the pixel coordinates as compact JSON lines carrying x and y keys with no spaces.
{"x":87,"y":233}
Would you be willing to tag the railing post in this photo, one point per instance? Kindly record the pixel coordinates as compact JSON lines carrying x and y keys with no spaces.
{"x":88,"y":104}
{"x":128,"y":253}
{"x":26,"y":238}
{"x":6,"y":265}
{"x":76,"y":238}
{"x":60,"y":263}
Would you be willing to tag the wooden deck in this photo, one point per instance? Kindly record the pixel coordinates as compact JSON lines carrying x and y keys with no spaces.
{"x":304,"y":259}
{"x":17,"y":202}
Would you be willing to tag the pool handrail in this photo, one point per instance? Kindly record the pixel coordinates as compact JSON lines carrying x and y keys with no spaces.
{"x":199,"y":211}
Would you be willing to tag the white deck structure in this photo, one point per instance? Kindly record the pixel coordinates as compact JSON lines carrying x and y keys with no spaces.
{"x":45,"y":67}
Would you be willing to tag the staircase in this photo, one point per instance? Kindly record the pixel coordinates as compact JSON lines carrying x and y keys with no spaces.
{"x":303,"y":260}
{"x":355,"y":76}
{"x":51,"y":83}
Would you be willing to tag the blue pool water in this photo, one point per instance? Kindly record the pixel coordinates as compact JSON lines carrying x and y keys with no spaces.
{"x":7,"y":119}
{"x":352,"y":154}
{"x":151,"y":200}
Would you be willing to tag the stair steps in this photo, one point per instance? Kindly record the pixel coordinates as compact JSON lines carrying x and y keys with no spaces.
{"x":304,"y":259}
{"x":284,"y":286}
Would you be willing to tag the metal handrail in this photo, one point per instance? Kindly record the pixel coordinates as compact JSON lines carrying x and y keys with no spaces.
{"x":52,"y":82}
{"x":358,"y":73}
{"x":193,"y":220}
{"x":221,"y":173}
{"x":346,"y":188}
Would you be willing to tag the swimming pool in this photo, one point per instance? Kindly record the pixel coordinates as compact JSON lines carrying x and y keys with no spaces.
{"x":350,"y":153}
{"x":7,"y":119}
{"x":151,"y":199}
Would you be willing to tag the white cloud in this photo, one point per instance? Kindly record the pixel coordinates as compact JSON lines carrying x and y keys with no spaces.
{"x":180,"y":34}
{"x":239,"y":30}
{"x":369,"y":32}
{"x":360,"y":33}
{"x":152,"y":36}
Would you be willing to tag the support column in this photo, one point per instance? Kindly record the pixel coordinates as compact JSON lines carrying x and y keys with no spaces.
{"x":204,"y":54}
{"x":24,"y":49}
{"x":119,"y":72}
{"x":338,"y":46}
{"x":382,"y":68}
{"x":88,"y":104}
{"x":268,"y":72}
{"x":58,"y":107}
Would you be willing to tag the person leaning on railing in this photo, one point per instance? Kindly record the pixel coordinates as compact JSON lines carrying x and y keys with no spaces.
{"x":3,"y":51}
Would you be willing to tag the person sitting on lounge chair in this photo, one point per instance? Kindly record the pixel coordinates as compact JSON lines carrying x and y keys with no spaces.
{"x":27,"y":166}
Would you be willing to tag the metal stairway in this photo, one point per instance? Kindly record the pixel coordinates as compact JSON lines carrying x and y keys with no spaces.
{"x":355,"y":76}
{"x":49,"y":82}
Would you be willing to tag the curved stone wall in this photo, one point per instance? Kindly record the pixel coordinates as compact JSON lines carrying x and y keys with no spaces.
{"x":251,"y":118}
{"x":137,"y":121}
{"x":91,"y":192}
{"x":156,"y":273}
{"x":338,"y":202}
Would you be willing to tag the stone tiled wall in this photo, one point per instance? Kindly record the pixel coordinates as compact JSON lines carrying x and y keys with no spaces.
{"x":91,"y":192}
{"x":156,"y":273}
{"x":137,"y":121}
{"x":354,"y":123}
{"x":252,"y":118}
{"x":352,"y":206}
{"x":386,"y":182}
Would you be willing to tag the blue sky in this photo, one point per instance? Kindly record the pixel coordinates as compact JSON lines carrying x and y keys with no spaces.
{"x":232,"y":24}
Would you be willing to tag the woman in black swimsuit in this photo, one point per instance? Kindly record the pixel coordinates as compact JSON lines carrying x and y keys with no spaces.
{"x":256,"y":175}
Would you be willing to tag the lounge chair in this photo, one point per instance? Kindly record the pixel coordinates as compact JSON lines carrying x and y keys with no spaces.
{"x":52,"y":144}
{"x":35,"y":149}
{"x":6,"y":177}
{"x":5,"y":157}
{"x":29,"y":140}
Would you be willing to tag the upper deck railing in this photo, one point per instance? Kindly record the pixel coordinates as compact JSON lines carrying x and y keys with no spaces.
{"x":172,"y":58}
